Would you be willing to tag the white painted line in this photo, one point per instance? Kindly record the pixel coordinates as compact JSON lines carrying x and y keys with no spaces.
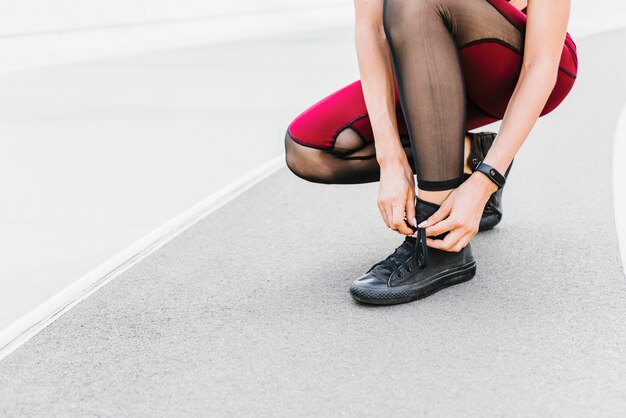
{"x":30,"y":324}
{"x":619,"y":183}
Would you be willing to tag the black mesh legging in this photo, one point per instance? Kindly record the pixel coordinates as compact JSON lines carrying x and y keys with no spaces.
{"x":456,"y":65}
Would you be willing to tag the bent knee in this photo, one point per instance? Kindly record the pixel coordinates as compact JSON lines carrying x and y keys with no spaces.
{"x":401,"y":16}
{"x":305,"y":162}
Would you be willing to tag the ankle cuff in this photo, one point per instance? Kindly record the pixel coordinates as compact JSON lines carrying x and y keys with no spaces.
{"x":435,"y":186}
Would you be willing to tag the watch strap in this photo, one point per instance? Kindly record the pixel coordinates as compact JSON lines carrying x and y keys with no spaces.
{"x":493,"y":174}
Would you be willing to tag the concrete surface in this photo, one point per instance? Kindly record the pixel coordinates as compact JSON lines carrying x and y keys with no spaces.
{"x":248,"y":313}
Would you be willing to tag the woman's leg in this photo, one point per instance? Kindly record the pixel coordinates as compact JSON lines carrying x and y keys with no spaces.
{"x":449,"y":56}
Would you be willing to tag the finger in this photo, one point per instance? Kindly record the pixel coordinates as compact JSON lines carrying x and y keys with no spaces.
{"x":441,"y":214}
{"x":438,"y":244}
{"x":410,"y":210}
{"x":398,"y":221}
{"x":464,"y":241}
{"x":467,"y":238}
{"x":435,"y":243}
{"x":460,"y":244}
{"x":441,"y":227}
{"x":445,"y":244}
{"x":383,"y":214}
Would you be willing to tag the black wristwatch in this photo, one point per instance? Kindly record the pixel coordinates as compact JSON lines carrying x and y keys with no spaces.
{"x":493,"y":174}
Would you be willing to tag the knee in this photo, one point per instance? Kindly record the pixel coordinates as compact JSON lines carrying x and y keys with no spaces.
{"x":400,"y":17}
{"x":390,"y":19}
{"x":292,"y":156}
{"x":301,"y":160}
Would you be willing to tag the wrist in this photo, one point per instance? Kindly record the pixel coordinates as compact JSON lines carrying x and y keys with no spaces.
{"x":391,"y":158}
{"x":484,"y":183}
{"x":497,"y":160}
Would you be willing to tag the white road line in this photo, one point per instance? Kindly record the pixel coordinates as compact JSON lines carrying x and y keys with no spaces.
{"x":19,"y":332}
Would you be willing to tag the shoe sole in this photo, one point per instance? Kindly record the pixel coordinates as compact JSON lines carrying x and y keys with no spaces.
{"x":410,"y":293}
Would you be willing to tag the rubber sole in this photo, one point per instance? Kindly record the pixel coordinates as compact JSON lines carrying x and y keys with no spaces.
{"x":410,"y":293}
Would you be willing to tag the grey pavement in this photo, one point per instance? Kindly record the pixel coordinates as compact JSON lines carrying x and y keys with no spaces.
{"x":248,"y":312}
{"x":150,"y":135}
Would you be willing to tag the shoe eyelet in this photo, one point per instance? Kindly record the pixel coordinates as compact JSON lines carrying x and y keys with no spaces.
{"x":408,"y":269}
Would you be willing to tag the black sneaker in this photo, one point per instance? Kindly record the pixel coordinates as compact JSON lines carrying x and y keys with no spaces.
{"x":414,"y":270}
{"x":480,"y":144}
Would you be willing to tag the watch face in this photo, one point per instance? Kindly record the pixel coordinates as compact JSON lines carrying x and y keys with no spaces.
{"x":492,"y":173}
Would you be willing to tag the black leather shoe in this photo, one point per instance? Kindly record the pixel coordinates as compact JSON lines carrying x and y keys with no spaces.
{"x":413,"y":270}
{"x":480,"y":144}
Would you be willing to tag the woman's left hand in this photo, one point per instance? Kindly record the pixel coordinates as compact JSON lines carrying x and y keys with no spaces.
{"x":460,"y":214}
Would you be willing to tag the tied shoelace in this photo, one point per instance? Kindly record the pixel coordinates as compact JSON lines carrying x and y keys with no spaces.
{"x":404,"y":253}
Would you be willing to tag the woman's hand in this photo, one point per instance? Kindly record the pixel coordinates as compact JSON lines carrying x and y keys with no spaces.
{"x":460,"y":214}
{"x":396,"y":195}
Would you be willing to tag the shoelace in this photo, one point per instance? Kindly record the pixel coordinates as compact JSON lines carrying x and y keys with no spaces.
{"x":395,"y":261}
{"x":421,"y":249}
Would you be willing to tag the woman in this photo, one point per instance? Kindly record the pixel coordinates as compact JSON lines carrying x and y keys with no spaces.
{"x":432,"y":70}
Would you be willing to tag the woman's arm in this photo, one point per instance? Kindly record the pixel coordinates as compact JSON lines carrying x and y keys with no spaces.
{"x":396,"y":196}
{"x":376,"y":72}
{"x":546,"y":27}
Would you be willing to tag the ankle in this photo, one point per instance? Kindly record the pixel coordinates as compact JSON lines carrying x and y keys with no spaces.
{"x":434,"y":197}
{"x":468,"y":146}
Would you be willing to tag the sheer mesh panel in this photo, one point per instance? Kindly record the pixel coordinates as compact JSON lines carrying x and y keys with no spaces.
{"x":339,"y":165}
{"x":424,"y":37}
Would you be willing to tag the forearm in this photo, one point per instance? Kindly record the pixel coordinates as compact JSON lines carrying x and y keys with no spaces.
{"x":528,"y":100}
{"x":376,"y":71}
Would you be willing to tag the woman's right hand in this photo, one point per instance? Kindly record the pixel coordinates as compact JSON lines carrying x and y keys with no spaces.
{"x":396,"y":195}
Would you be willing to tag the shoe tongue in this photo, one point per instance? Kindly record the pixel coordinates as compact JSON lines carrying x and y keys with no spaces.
{"x":424,"y":209}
